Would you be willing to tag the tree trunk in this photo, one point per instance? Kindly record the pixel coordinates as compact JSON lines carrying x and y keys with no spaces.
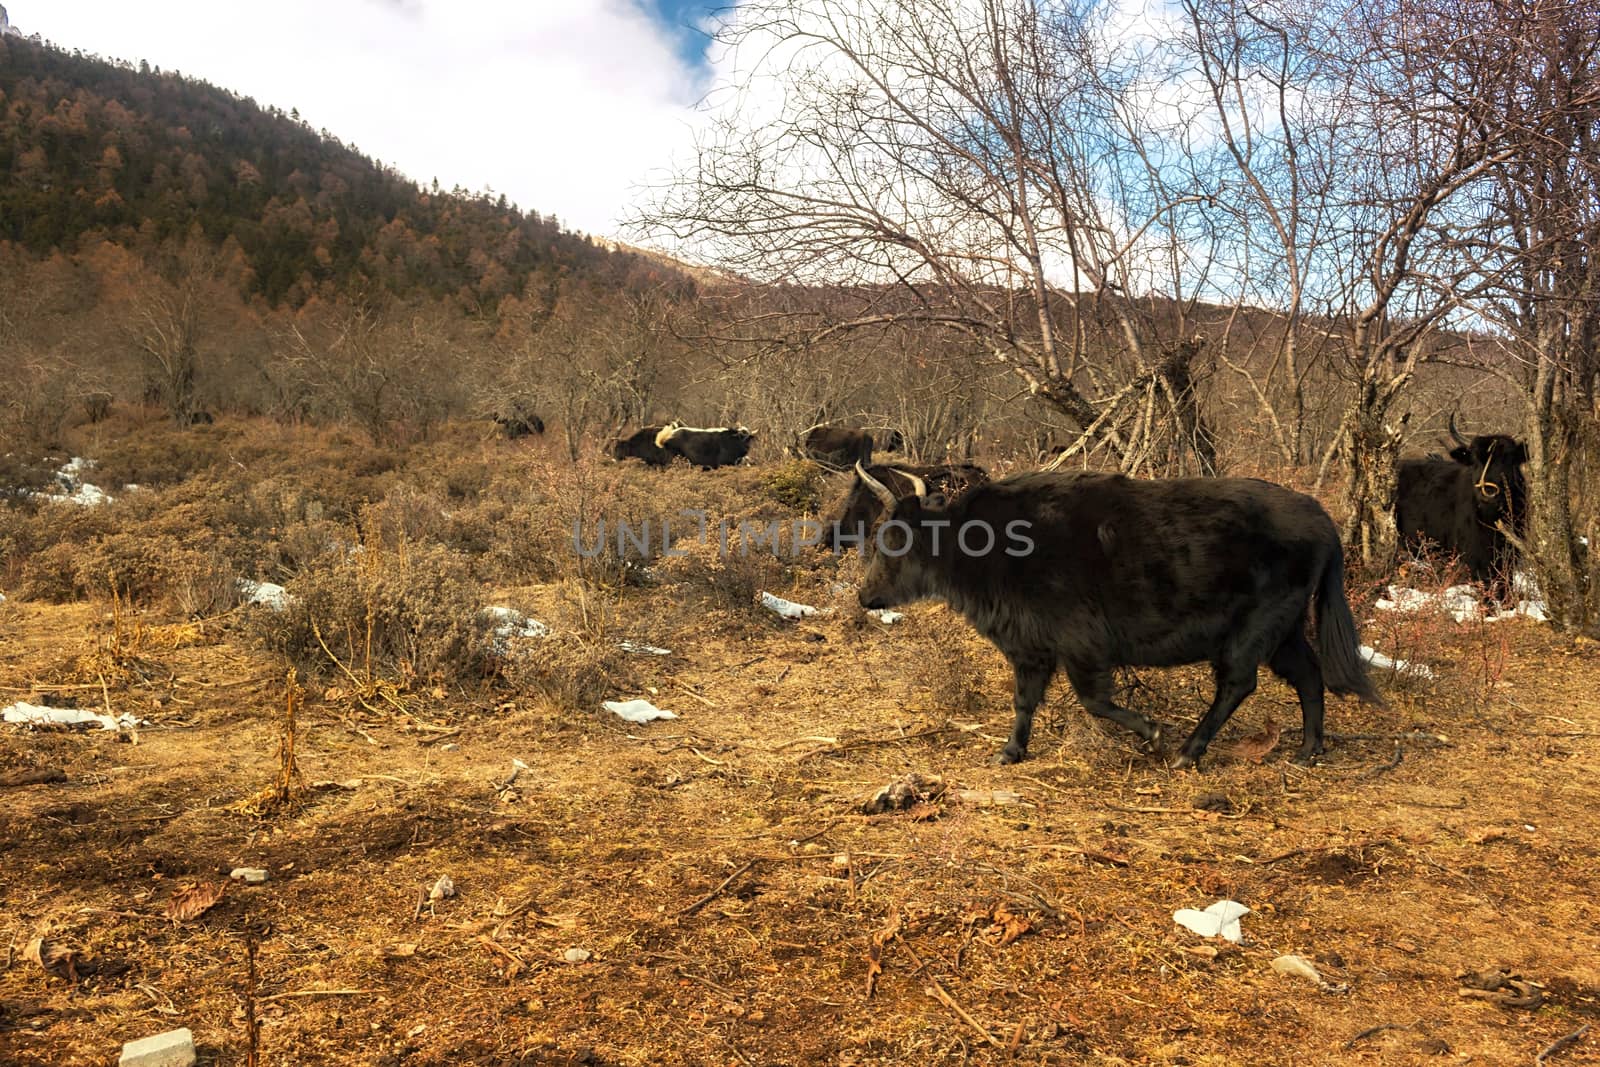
{"x":1550,"y":545}
{"x":1372,"y":450}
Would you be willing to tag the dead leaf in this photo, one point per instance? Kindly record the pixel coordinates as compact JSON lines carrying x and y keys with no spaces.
{"x":1007,"y":925}
{"x":880,"y":938}
{"x":1486,"y":835}
{"x":400,"y":951}
{"x":193,"y":901}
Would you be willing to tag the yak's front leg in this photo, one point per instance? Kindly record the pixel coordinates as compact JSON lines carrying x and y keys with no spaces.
{"x":1034,"y":671}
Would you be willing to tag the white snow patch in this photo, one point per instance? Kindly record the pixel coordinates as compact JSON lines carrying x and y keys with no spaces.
{"x":507,"y":624}
{"x":1399,"y":666}
{"x":266,"y":594}
{"x":72,"y":489}
{"x":1464,"y":603}
{"x":643,"y":649}
{"x":637,"y":710}
{"x":787,"y":608}
{"x":1219,"y":920}
{"x":34,"y":715}
{"x":885,"y":616}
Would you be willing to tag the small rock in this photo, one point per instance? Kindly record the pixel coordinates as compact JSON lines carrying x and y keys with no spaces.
{"x":452,"y":747}
{"x":248,"y":875}
{"x":576,"y":955}
{"x":175,"y":1048}
{"x":444,"y":887}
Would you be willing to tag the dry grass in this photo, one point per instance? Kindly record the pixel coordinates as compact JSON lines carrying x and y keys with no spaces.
{"x":716,"y":868}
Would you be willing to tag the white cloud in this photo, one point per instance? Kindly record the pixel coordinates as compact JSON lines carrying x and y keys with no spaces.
{"x":563,"y":105}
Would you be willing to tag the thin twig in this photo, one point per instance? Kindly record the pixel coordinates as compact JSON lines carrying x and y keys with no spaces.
{"x":1562,"y":1043}
{"x":320,"y":993}
{"x":1372,"y":1031}
{"x":934,"y":989}
{"x":709,"y":897}
{"x":690,"y":692}
{"x":1399,"y":754}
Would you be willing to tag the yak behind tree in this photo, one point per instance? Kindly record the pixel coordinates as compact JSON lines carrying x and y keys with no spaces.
{"x":1088,"y":572}
{"x":1457,"y":505}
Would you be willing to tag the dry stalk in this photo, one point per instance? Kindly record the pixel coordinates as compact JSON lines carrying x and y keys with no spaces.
{"x":288,"y":780}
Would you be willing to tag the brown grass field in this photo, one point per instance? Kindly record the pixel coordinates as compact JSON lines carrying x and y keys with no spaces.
{"x":732,"y":902}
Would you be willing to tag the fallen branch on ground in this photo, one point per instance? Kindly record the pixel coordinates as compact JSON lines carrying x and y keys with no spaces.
{"x":41,"y":776}
{"x":1561,"y":1043}
{"x":709,"y":897}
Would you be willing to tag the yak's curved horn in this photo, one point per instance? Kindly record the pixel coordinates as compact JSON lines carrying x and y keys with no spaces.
{"x":1462,"y":441}
{"x":879,"y":490}
{"x":918,"y":486}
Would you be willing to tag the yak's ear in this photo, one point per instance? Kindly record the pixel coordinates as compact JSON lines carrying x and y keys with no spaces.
{"x":1461,"y":454}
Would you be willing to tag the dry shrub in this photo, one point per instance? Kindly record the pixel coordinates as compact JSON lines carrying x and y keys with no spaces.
{"x":408,"y":612}
{"x":731,"y":566}
{"x":406,"y":515}
{"x":49,"y":573}
{"x":954,"y":675}
{"x":795,"y":484}
{"x":580,"y":665}
{"x":1425,"y":638}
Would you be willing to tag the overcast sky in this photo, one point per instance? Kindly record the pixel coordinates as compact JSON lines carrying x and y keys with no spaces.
{"x":563,"y":105}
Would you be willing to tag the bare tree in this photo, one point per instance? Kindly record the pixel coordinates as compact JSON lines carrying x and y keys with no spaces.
{"x":1531,"y":238}
{"x":167,"y":323}
{"x":982,"y":167}
{"x":384,"y":370}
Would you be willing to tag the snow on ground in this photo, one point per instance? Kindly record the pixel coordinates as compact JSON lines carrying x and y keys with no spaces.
{"x":1399,"y":666}
{"x":70,"y":487}
{"x":1464,"y":603}
{"x":35,"y":715}
{"x":507,"y":624}
{"x":266,"y":594}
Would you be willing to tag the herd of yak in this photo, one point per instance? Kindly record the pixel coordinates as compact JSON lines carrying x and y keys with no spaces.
{"x":1086,"y":572}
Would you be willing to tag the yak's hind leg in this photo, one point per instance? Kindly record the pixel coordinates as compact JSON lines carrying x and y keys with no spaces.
{"x":1296,"y":663}
{"x":1236,"y":679}
{"x":1034,"y":671}
{"x":1094,"y":692}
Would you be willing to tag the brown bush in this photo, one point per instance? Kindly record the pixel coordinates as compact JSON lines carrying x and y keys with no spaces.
{"x":407,"y":613}
{"x":580,"y":665}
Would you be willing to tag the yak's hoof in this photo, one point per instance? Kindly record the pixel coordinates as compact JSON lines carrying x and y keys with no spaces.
{"x":1009,"y":755}
{"x":1306,"y":757}
{"x":1183,"y":761}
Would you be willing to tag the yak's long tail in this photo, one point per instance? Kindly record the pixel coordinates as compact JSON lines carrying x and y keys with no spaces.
{"x":1338,"y":647}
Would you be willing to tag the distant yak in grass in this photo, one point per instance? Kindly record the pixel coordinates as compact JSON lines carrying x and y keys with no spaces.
{"x":704,"y":447}
{"x":844,"y":446}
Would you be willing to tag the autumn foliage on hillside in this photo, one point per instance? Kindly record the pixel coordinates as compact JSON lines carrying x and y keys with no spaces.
{"x":99,"y":151}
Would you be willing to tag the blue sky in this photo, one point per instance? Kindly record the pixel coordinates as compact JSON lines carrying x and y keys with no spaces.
{"x":565,"y":106}
{"x":685,"y":19}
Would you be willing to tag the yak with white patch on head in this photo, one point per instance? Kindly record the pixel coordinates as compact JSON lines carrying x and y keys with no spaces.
{"x":1457,"y":506}
{"x":1089,"y":572}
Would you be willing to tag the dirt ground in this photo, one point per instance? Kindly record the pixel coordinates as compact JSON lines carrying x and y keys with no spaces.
{"x":729,"y":901}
